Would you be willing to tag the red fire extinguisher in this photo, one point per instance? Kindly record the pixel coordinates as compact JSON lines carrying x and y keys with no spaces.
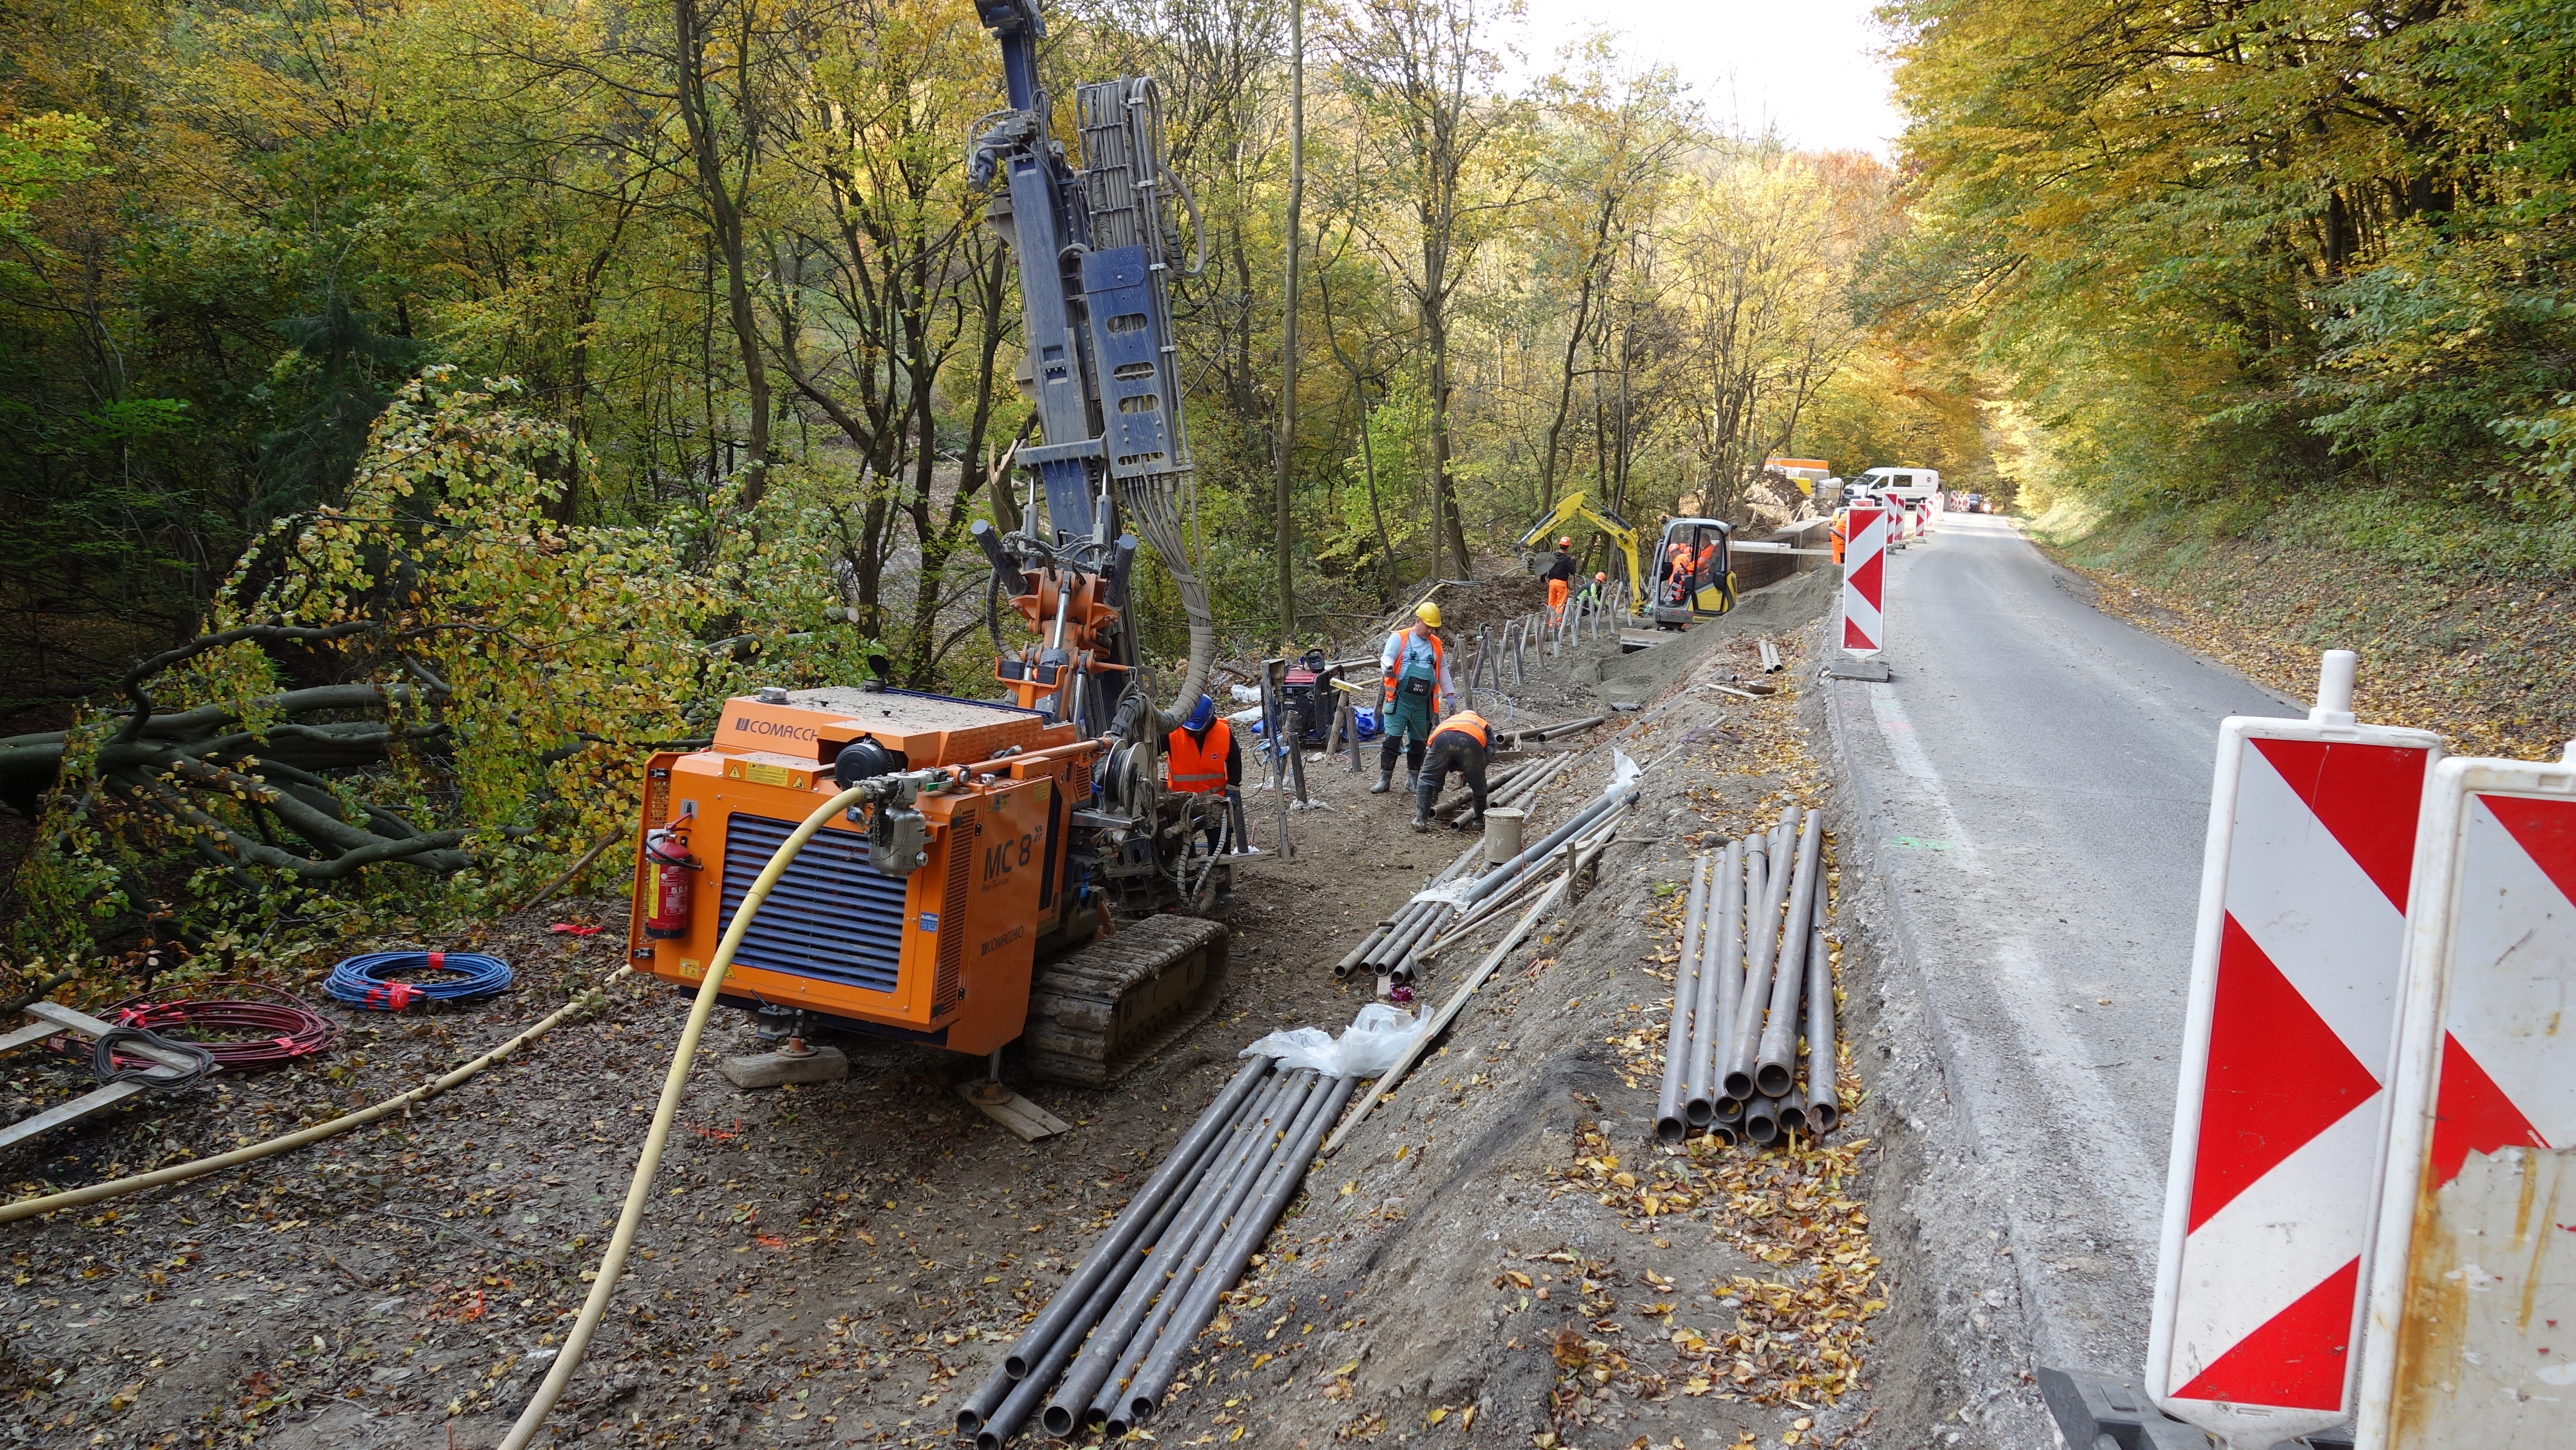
{"x":668,"y":850}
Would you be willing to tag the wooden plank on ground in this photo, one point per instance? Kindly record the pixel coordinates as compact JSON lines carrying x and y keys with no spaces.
{"x":1027,"y":1121}
{"x":79,"y":1107}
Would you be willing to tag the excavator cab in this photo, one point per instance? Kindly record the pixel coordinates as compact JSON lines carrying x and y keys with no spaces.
{"x":1693,"y":578}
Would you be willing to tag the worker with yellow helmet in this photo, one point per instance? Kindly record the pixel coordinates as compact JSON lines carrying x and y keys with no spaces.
{"x":1418,"y":691}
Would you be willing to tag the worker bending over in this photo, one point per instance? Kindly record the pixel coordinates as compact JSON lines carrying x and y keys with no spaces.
{"x":1461,"y":744}
{"x":1418,"y":690}
{"x":1560,"y":578}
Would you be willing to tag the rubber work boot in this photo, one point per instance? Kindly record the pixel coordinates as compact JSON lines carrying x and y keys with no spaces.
{"x":1385,"y":781}
{"x":1421,"y":815}
{"x":1412,"y":781}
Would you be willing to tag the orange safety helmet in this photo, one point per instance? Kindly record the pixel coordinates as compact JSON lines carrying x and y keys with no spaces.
{"x":1564,"y":542}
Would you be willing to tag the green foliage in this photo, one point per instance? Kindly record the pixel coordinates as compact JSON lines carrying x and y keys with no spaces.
{"x":2207,"y":250}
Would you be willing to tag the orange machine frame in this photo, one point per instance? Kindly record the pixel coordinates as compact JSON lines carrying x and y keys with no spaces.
{"x":973,"y":913}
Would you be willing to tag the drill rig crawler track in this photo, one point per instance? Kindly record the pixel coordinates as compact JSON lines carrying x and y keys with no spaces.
{"x":1096,"y":1015}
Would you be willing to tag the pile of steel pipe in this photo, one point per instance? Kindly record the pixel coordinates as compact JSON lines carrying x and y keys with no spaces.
{"x":1407,"y":924}
{"x":1398,"y":955}
{"x":1749,"y":1049}
{"x":1109,"y":1343}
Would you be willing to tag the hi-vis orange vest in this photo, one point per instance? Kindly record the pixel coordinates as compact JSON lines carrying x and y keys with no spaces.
{"x":1396,"y":672}
{"x":1841,"y":533}
{"x":1196,"y":768}
{"x":1465,"y":722}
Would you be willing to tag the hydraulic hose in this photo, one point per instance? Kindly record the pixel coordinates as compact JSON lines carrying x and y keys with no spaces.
{"x":674,"y":1083}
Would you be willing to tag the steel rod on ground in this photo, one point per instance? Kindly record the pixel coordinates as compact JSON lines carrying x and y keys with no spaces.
{"x":1193,"y":1315}
{"x":1775,"y":1068}
{"x":1760,"y":906}
{"x":1708,"y":1008}
{"x":1824,"y":1059}
{"x":1448,"y":1011}
{"x":1678,"y":1034}
{"x":1110,"y":1333}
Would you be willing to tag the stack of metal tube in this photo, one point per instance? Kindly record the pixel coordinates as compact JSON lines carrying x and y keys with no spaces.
{"x":1109,"y":1344}
{"x":1393,"y":948}
{"x":1749,"y":1054}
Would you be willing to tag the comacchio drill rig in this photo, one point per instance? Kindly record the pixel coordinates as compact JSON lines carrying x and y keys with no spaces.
{"x":967,"y":901}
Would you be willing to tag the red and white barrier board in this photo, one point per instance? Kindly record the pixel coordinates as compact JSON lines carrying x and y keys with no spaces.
{"x":2281,"y":1108}
{"x":1865,"y":582}
{"x":2473,"y":1271}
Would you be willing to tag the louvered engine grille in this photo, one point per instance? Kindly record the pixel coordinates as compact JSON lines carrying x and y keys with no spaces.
{"x":962,"y":832}
{"x":831,"y":916}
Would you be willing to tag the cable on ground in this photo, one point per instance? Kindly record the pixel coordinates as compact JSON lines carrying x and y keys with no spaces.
{"x":158,"y":1076}
{"x":254,"y":1036}
{"x":181,"y":1172}
{"x":363,"y":981}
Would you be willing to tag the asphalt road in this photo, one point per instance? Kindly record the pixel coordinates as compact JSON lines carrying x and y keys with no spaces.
{"x":2036,"y":782}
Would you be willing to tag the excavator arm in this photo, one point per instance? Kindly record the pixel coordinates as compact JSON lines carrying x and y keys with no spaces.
{"x":1575,"y":506}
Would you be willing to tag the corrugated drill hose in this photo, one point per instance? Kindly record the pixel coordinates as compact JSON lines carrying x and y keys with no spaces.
{"x":674,"y":1083}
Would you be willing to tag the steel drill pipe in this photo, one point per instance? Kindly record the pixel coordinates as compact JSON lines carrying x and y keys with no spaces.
{"x":1177,"y":1165}
{"x":1723,"y":1108}
{"x":1761,"y":913}
{"x":1026,"y":1395}
{"x":1670,"y":1124}
{"x":1762,"y":1120}
{"x":1006,"y":1419}
{"x":1718,"y":960}
{"x":1156,"y":1375}
{"x":1776,"y":1069}
{"x":1004,"y":1401}
{"x":1352,"y":959}
{"x":1017,"y":1400}
{"x":1117,"y":1323}
{"x":1824,"y":1061}
{"x":1211,"y":1244}
{"x":1792,"y":1111}
{"x":1501,"y":876}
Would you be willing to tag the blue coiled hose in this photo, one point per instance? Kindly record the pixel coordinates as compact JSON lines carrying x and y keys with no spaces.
{"x":360,"y":981}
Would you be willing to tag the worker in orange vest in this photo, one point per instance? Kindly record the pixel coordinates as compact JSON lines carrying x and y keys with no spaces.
{"x":1704,"y":569}
{"x":1202,"y":757}
{"x":1841,"y":532}
{"x":1560,"y":578}
{"x":1418,"y":690}
{"x":1461,"y":743}
{"x":1677,"y":568}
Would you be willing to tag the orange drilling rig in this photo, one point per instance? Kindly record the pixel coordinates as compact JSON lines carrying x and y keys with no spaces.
{"x":1014,"y":867}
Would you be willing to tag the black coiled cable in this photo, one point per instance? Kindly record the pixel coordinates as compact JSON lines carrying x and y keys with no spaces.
{"x":154,"y":1075}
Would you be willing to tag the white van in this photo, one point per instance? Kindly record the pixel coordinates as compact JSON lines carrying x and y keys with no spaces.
{"x":1913,"y":485}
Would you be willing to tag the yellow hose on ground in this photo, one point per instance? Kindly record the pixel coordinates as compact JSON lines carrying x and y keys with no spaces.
{"x":181,"y":1172}
{"x":640,"y":1190}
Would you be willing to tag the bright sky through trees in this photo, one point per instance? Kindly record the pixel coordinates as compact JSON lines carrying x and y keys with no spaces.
{"x":1810,"y":68}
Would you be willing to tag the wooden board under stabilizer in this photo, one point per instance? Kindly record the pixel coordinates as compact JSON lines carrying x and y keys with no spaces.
{"x":1095,"y":1015}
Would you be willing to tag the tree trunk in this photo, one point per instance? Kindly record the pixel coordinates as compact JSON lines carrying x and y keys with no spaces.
{"x":724,"y":212}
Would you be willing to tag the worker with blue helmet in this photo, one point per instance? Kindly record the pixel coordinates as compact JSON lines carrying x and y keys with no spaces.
{"x":1202,"y":757}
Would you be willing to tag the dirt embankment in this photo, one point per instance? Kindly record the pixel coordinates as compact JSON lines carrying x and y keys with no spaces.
{"x":1498,"y":1255}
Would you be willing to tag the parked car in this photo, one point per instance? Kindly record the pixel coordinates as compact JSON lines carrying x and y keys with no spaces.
{"x":1976,"y":503}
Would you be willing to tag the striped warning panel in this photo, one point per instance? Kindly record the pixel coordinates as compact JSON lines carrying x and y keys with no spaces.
{"x":2473,"y":1284}
{"x":1865,"y":583}
{"x":2287,"y":1051}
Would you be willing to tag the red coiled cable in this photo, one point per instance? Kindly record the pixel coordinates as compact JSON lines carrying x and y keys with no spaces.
{"x":244,"y":1036}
